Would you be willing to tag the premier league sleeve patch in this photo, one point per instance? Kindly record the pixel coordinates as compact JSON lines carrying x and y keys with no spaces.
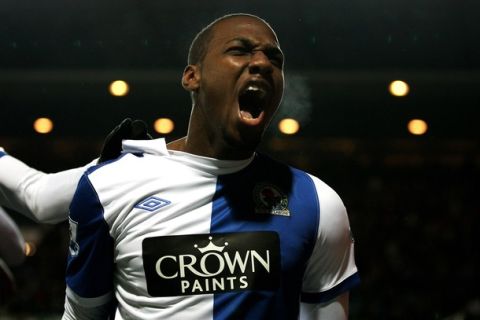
{"x":215,"y":263}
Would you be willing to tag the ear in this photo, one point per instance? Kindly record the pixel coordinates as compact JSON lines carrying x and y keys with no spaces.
{"x":191,"y":77}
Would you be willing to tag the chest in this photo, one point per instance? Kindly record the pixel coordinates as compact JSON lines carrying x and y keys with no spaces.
{"x":201,"y":234}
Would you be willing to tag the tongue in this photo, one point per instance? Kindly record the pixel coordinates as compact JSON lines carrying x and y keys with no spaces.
{"x":250,"y":102}
{"x":246,"y":114}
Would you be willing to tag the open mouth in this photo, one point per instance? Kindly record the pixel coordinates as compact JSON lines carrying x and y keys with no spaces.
{"x":252,"y":101}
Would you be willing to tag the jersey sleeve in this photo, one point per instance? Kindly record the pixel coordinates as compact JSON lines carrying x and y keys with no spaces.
{"x":75,"y":309}
{"x":89,"y":273}
{"x":40,"y":196}
{"x":331,"y":269}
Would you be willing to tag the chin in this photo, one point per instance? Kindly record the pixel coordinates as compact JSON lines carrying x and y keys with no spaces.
{"x":250,"y":139}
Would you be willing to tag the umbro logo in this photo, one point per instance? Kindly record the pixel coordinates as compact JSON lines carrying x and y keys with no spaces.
{"x":152,"y":203}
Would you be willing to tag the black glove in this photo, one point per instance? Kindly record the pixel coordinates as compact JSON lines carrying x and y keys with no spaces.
{"x":127,"y":129}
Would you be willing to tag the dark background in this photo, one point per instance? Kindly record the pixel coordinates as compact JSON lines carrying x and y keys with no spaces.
{"x":412,"y":200}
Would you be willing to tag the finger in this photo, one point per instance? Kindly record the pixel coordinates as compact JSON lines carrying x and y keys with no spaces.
{"x":139,"y":130}
{"x":112,"y":146}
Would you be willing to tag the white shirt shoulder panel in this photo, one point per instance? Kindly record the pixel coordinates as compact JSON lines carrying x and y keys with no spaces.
{"x":332,"y":261}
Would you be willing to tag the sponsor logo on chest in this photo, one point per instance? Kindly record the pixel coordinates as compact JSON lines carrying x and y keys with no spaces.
{"x":215,"y":263}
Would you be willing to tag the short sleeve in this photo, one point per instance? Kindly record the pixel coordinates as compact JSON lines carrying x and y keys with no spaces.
{"x":331,"y":269}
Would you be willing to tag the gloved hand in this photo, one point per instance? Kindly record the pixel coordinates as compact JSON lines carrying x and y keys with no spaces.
{"x":127,"y":129}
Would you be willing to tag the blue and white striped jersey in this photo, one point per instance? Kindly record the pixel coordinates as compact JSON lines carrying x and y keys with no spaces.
{"x":169,"y":234}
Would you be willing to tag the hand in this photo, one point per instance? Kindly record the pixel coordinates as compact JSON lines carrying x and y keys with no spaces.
{"x":127,"y":129}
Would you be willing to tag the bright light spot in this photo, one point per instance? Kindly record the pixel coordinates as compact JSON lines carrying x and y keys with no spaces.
{"x":43,"y":125}
{"x":118,"y":88}
{"x":30,"y":249}
{"x":417,"y":127}
{"x":163,"y":125}
{"x":399,"y":88}
{"x":289,"y":126}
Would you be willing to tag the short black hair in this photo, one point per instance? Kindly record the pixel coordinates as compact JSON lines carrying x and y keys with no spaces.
{"x":199,"y":45}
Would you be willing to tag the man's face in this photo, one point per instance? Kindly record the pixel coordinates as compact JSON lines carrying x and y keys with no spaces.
{"x":241,"y":82}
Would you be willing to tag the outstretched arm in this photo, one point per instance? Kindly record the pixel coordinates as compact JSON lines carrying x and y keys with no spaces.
{"x":45,"y":197}
{"x":41,"y":197}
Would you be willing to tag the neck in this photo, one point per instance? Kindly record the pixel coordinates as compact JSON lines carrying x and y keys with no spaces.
{"x":208,"y":138}
{"x":189,"y":145}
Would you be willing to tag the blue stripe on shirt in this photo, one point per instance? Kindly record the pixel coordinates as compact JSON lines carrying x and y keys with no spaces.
{"x":234,"y":211}
{"x":325,"y":296}
{"x":90,"y":270}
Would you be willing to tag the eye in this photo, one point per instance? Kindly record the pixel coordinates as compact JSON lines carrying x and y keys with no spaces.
{"x":277,"y":60}
{"x":275,"y":56}
{"x":238,"y":50}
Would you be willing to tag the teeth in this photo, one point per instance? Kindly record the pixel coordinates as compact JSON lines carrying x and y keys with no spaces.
{"x":258,"y":91}
{"x":253,"y":88}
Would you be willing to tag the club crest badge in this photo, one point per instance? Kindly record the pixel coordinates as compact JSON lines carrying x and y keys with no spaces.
{"x":269,"y":199}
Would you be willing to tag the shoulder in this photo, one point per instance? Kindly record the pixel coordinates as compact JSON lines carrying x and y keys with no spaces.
{"x":334,"y":223}
{"x":127,"y":167}
{"x":328,"y":198}
{"x":275,"y":168}
{"x":111,"y":187}
{"x":100,"y":182}
{"x":313,"y":195}
{"x":331,"y":270}
{"x":295,"y":183}
{"x":123,"y":160}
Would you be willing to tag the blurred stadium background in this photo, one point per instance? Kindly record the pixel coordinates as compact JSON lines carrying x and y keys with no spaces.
{"x":412,"y":196}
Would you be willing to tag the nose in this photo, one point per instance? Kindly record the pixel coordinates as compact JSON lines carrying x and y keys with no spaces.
{"x":260,"y":63}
